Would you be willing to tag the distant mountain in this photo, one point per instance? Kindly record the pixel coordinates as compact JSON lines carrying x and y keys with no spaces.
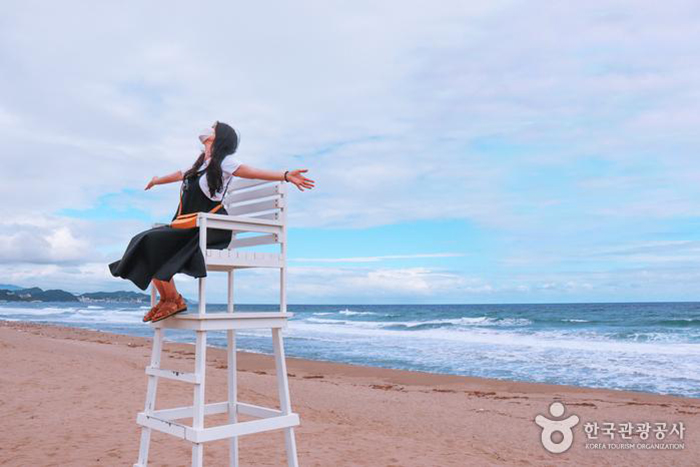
{"x":35,"y":294}
{"x":10,"y":287}
{"x":121,"y":296}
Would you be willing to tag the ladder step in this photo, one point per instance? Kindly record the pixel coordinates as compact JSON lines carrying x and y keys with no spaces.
{"x":242,"y":428}
{"x":187,"y":412}
{"x":192,"y":378}
{"x":218,"y":432}
{"x":164,"y":426}
{"x":217,"y":408}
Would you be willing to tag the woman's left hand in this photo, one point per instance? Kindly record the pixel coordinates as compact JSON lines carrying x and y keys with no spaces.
{"x":151,"y":184}
{"x":299,"y":180}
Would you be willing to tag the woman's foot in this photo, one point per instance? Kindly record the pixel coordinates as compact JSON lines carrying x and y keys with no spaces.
{"x":170,"y":308}
{"x":155,"y":309}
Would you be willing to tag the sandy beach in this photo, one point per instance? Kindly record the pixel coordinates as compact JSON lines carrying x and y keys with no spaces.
{"x":70,"y":398}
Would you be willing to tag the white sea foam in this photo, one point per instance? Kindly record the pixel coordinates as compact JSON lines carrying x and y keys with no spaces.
{"x":347,"y":312}
{"x":493,"y":337}
{"x":48,"y":311}
{"x":475,"y":321}
{"x":325,"y":320}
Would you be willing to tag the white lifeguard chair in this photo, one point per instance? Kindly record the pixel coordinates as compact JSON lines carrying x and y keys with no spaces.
{"x":257,"y":206}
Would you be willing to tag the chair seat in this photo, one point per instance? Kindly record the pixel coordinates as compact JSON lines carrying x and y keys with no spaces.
{"x":225,"y":321}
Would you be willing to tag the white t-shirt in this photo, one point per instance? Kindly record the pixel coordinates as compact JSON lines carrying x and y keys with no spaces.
{"x":229,"y":165}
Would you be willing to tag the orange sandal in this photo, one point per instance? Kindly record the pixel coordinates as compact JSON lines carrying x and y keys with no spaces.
{"x":154,"y":310}
{"x":170,"y":308}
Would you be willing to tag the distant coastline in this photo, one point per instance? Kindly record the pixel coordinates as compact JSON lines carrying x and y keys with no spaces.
{"x":13,"y":293}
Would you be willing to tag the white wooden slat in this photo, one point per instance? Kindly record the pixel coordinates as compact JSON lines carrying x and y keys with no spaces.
{"x":270,"y":215}
{"x":240,"y":196}
{"x":150,"y":404}
{"x":238,"y":258}
{"x":243,"y":255}
{"x":229,"y":302}
{"x":248,"y":220}
{"x":233,"y":224}
{"x":199,"y":402}
{"x":200,"y":367}
{"x":254,"y":241}
{"x":241,"y":428}
{"x":174,"y":375}
{"x":257,"y":411}
{"x":197,"y":455}
{"x":242,"y":183}
{"x":221,"y":325}
{"x":232,"y":380}
{"x":186,"y":412}
{"x":283,"y":390}
{"x":217,"y":408}
{"x":266,"y":205}
{"x":165,"y":426}
{"x":283,"y":254}
{"x":203,"y":223}
{"x":281,"y":370}
{"x":153,"y":294}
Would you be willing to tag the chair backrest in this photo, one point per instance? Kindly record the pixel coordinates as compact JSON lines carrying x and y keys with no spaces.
{"x":258,"y":199}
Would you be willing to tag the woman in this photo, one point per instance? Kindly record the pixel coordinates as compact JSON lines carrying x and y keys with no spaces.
{"x":159,"y":253}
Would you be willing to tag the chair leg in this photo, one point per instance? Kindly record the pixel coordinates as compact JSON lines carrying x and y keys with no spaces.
{"x":150,"y":397}
{"x":283,"y":389}
{"x":200,"y":364}
{"x":232,"y":393}
{"x":197,"y":454}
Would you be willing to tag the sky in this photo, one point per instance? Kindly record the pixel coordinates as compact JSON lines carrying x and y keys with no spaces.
{"x":462,"y":152}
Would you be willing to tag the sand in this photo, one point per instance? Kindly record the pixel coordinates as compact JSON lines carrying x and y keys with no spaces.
{"x":69,"y":397}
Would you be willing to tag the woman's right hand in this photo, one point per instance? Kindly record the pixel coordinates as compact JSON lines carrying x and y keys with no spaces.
{"x":299,"y":180}
{"x":151,"y":184}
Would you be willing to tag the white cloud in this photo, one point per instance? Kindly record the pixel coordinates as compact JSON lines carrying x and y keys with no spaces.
{"x":43,"y":240}
{"x":402,"y":112}
{"x":374,"y":259}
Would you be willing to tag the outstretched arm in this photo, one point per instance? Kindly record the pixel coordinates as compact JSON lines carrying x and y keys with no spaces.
{"x":294,"y":176}
{"x":170,"y":178}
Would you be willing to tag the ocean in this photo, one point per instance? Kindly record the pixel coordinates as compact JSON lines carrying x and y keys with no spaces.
{"x":650,"y":347}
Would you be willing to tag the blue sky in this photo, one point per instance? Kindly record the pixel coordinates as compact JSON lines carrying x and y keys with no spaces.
{"x":479,"y":152}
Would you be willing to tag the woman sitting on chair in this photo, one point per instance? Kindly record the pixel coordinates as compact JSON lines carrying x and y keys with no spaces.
{"x":157,"y":254}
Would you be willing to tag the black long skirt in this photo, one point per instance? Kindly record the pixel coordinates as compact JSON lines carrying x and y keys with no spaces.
{"x":163,"y":251}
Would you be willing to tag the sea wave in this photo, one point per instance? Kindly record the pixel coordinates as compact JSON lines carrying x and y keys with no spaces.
{"x":463,"y":322}
{"x":550,"y":339}
{"x":46,"y":311}
{"x":680,"y":322}
{"x":347,"y":312}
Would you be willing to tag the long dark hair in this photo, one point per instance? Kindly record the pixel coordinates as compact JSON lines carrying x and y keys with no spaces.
{"x":225,"y":143}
